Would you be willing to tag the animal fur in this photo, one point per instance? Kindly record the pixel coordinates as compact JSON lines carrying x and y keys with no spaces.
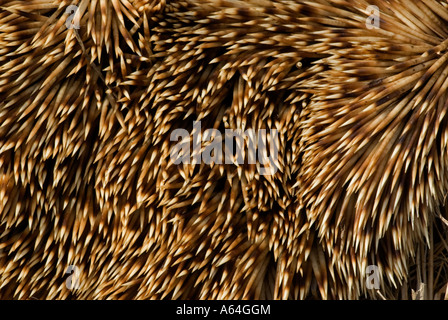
{"x":85,"y":121}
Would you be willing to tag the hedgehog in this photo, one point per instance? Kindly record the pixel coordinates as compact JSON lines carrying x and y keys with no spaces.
{"x":92,"y":205}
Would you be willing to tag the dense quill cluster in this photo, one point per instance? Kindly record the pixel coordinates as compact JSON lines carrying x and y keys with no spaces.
{"x":86,"y":178}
